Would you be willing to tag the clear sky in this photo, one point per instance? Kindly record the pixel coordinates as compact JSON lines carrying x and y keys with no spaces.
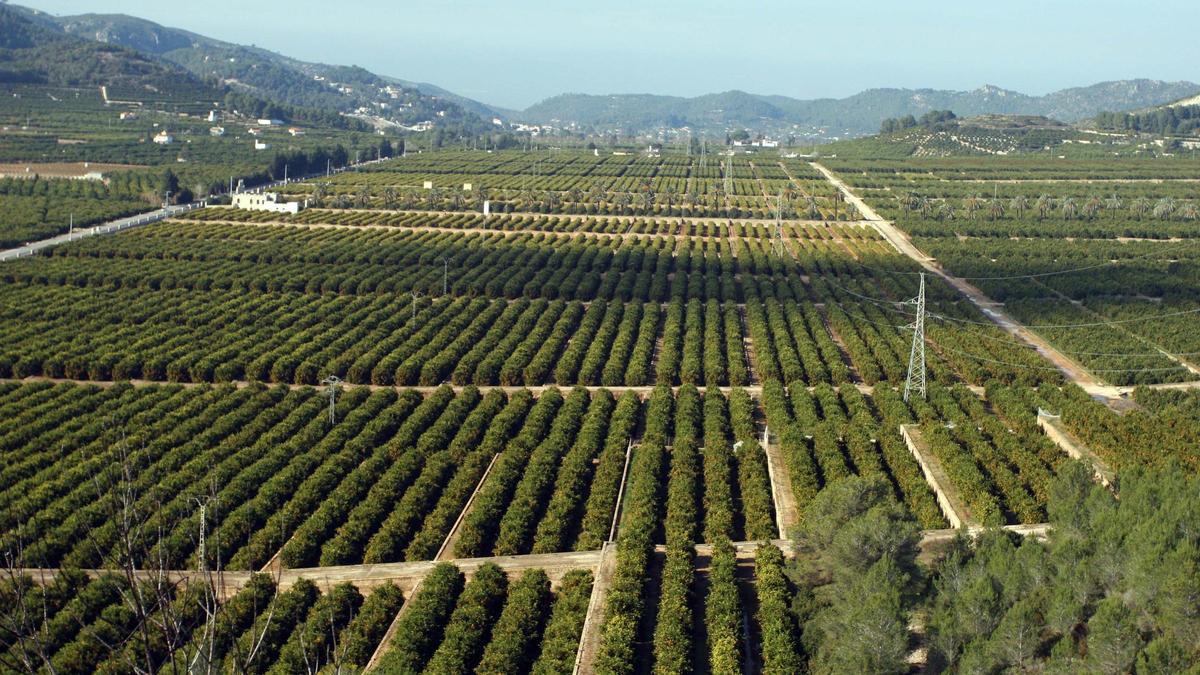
{"x":517,"y":52}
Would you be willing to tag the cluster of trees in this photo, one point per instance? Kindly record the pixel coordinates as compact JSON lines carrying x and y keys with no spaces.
{"x":476,"y":455}
{"x":1046,"y":206}
{"x":673,"y":626}
{"x":819,"y":430}
{"x":548,"y":431}
{"x":277,"y":511}
{"x":856,"y":581}
{"x":489,"y":625}
{"x":626,"y":603}
{"x":255,"y":107}
{"x":605,"y":424}
{"x":1164,"y":427}
{"x":934,"y":120}
{"x":117,"y":623}
{"x":390,"y":469}
{"x":1112,"y":590}
{"x":1171,"y":120}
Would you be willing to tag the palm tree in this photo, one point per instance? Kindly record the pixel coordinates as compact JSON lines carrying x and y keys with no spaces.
{"x":389,"y":196}
{"x":996,"y":209}
{"x":1189,"y":211}
{"x":1112,"y":204}
{"x":945,"y":211}
{"x":1140,"y":207}
{"x":924,"y":206}
{"x":1069,"y":209}
{"x":1019,"y":204}
{"x":1091,"y":207}
{"x":527,"y":198}
{"x":1044,"y":205}
{"x":364,"y":196}
{"x":1164,"y":208}
{"x":972,"y":205}
{"x":814,"y":212}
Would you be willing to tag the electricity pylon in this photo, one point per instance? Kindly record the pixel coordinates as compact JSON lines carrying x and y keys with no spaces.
{"x":777,"y":233}
{"x":331,"y":389}
{"x":729,"y":176}
{"x":916,"y":357}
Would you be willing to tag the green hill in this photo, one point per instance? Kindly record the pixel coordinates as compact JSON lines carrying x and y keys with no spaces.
{"x":266,"y":74}
{"x":33,"y":53}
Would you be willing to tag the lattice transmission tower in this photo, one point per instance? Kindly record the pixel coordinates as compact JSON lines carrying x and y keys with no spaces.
{"x":729,"y":176}
{"x":777,"y":232}
{"x":916,"y":356}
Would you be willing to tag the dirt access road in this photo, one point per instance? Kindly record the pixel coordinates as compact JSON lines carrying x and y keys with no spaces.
{"x":990,"y":308}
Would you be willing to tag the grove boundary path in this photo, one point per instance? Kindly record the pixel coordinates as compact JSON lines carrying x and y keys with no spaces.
{"x":948,"y":498}
{"x":1052,"y":426}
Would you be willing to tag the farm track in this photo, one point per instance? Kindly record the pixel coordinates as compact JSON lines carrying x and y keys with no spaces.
{"x":408,"y":574}
{"x":588,"y":216}
{"x":573,"y":234}
{"x":425,"y":390}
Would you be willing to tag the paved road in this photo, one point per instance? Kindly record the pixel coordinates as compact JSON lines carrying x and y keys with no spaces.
{"x":104,"y":228}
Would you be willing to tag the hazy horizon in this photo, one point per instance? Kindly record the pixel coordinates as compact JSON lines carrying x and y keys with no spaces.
{"x":518,"y":53}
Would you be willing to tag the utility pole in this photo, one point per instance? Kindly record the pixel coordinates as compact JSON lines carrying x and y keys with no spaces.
{"x":916,"y":357}
{"x":415,"y":295}
{"x":445,"y":273}
{"x":331,"y":389}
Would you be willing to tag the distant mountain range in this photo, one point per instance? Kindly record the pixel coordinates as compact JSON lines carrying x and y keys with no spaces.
{"x":852,"y":116}
{"x":299,"y":83}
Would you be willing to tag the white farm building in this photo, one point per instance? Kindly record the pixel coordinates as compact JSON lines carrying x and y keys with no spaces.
{"x":265,"y":201}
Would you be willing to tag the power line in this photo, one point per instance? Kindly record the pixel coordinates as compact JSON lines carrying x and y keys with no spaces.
{"x":1029,"y":367}
{"x":1012,"y":340}
{"x":1035,"y":275}
{"x":893,"y":306}
{"x":1074,"y":325}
